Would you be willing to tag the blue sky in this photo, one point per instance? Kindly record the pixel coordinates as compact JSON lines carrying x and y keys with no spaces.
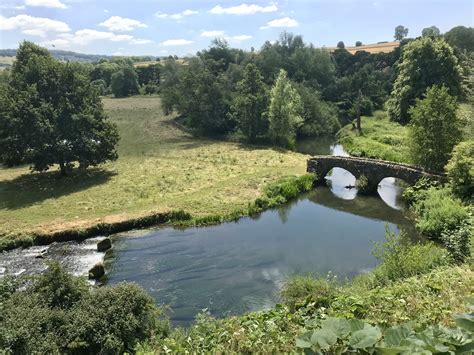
{"x":162,"y":27}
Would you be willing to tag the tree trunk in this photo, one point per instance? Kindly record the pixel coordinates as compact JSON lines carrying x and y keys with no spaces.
{"x":63,"y":169}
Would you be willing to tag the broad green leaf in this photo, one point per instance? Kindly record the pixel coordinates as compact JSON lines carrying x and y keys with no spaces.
{"x":466,"y":322}
{"x":365,"y":338}
{"x":339,"y":326}
{"x":391,"y":350}
{"x":300,"y":343}
{"x":304,"y":341}
{"x":394,"y":336}
{"x":325,"y":338}
{"x":356,"y":324}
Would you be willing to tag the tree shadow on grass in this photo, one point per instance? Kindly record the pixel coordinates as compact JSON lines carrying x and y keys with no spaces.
{"x":28,"y":189}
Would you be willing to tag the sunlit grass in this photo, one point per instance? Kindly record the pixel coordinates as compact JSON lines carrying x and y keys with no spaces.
{"x":160,"y":168}
{"x":380,"y":139}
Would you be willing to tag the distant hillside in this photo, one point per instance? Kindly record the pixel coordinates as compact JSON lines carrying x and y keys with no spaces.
{"x":7,"y":56}
{"x":381,"y":47}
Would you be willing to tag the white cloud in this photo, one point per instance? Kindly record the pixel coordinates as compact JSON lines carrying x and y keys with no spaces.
{"x":281,"y":22}
{"x":122,"y":24}
{"x":176,"y":42}
{"x":85,"y":36}
{"x":12,"y":6}
{"x":141,"y":41}
{"x":243,"y":9}
{"x":35,"y":26}
{"x":177,"y":16}
{"x":46,"y":3}
{"x":212,"y":33}
{"x":240,"y":38}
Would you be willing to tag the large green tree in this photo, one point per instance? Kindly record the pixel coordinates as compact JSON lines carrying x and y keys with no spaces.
{"x":251,"y":103}
{"x":435,"y":128}
{"x":125,"y":82}
{"x":284,"y":112}
{"x":51,"y":114}
{"x":424,"y":62}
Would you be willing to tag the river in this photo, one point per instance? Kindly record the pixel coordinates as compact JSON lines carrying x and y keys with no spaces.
{"x":241,"y":266}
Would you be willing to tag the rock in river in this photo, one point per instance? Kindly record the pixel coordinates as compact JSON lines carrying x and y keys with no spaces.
{"x":104,"y":244}
{"x":97,"y":271}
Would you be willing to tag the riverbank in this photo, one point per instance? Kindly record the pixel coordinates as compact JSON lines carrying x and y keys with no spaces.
{"x":160,"y":172}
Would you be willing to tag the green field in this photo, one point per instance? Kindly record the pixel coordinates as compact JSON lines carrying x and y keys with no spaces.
{"x":380,"y":139}
{"x":160,"y":168}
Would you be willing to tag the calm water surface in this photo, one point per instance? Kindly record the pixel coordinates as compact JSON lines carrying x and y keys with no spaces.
{"x":241,"y":266}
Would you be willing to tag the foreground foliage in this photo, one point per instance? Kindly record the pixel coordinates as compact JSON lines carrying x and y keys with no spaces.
{"x":59,"y":313}
{"x":340,"y":335}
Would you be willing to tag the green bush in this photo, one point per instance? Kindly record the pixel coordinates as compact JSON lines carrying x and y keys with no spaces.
{"x":415,"y":192}
{"x":301,"y":290}
{"x":402,"y":259}
{"x":460,"y":169}
{"x":59,"y":313}
{"x":458,"y":242}
{"x":439,"y":211}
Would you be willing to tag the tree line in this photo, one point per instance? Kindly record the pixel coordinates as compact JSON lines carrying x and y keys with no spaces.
{"x":51,"y":113}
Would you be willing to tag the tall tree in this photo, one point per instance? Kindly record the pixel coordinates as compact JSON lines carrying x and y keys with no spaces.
{"x":432,"y":31}
{"x":125,"y":82}
{"x":400,"y":33}
{"x":435,"y":128}
{"x":341,"y":45}
{"x":250,"y":103}
{"x":52,"y":115}
{"x":424,"y":62}
{"x":284,"y":112}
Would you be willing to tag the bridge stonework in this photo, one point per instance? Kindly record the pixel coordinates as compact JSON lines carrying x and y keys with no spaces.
{"x":374,"y":170}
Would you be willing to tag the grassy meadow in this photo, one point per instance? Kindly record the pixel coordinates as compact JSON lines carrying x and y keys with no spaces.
{"x":380,"y":139}
{"x":160,"y":168}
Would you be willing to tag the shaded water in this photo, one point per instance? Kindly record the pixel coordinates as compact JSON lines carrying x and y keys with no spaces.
{"x":241,"y":266}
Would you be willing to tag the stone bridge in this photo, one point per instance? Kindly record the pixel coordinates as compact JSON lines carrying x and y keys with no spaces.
{"x":374,"y":170}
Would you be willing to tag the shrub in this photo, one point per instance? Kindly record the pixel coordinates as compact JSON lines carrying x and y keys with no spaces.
{"x":301,"y":290}
{"x":458,"y":242}
{"x":402,"y":259}
{"x":113,"y":319}
{"x":460,"y":169}
{"x":414,"y":192}
{"x":438,"y":211}
{"x":59,"y":313}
